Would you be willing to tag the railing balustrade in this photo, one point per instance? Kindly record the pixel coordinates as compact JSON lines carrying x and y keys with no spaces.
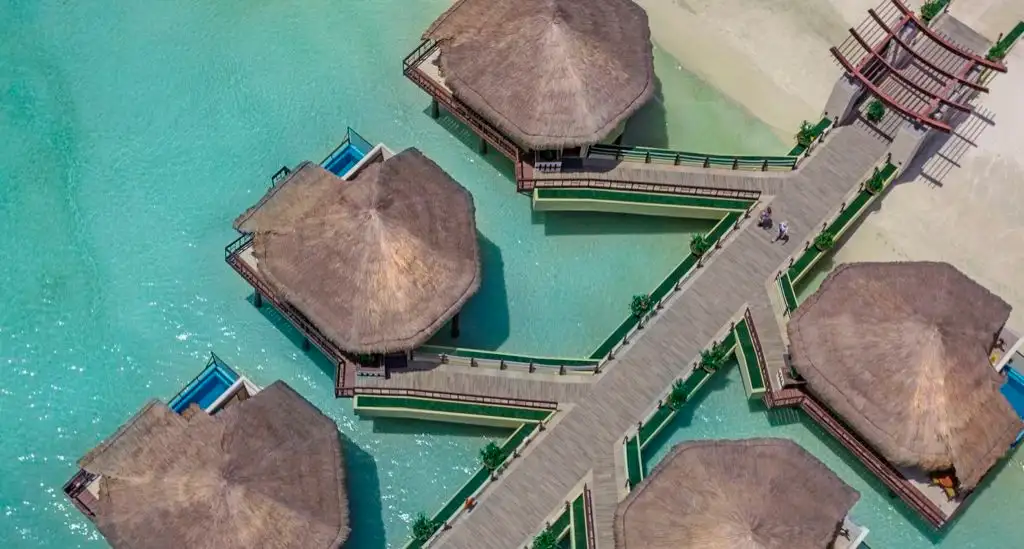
{"x":459,"y":397}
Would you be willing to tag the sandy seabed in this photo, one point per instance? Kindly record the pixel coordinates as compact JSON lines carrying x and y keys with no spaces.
{"x":964,"y":205}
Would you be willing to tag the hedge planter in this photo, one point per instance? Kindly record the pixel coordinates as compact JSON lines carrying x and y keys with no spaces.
{"x":546,"y":540}
{"x":423,"y":528}
{"x":805,"y":136}
{"x":875,"y":112}
{"x":700,"y":244}
{"x":824,"y":241}
{"x":677,"y":397}
{"x":641,"y":305}
{"x":875,"y":184}
{"x":931,"y":9}
{"x":712,"y":359}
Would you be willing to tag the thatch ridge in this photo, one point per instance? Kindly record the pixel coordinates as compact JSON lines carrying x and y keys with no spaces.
{"x":550,"y":74}
{"x":756,"y":493}
{"x":900,"y":352}
{"x":267,"y":471}
{"x":378,"y":263}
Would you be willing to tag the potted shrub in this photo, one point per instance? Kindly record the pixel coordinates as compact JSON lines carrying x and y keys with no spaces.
{"x":677,"y":397}
{"x":641,"y":305}
{"x":876,"y":111}
{"x":492,"y":456}
{"x":805,"y":136}
{"x":423,"y":528}
{"x":998,"y":51}
{"x":712,"y":359}
{"x":931,"y":9}
{"x":545,"y":540}
{"x":875,"y":184}
{"x":824,"y":241}
{"x":700,"y":244}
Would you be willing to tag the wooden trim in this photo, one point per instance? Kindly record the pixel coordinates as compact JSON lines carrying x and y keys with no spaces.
{"x":945,"y":43}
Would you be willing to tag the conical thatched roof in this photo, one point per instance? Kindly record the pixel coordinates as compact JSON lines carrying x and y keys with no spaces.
{"x":900,"y":352}
{"x":265,"y":472}
{"x":548,"y":73}
{"x":747,"y":494}
{"x":378,"y":263}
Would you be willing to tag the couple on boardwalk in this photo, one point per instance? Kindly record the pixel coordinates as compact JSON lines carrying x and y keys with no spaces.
{"x":766,"y":223}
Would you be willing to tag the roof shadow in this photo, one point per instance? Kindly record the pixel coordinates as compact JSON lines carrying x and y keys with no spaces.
{"x":365,"y":509}
{"x":484,"y":320}
{"x":293,"y":335}
{"x":471,"y":140}
{"x":604,"y":223}
{"x":648,"y":126}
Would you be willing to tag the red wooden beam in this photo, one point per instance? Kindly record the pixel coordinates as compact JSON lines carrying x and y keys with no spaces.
{"x":950,"y":84}
{"x":889,"y":35}
{"x":924,"y":60}
{"x":907,"y":81}
{"x":885,"y":98}
{"x":942,"y":41}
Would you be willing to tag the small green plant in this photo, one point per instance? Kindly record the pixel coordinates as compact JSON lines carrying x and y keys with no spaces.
{"x":423,"y":528}
{"x":876,"y":183}
{"x":998,"y":51}
{"x":545,"y":540}
{"x":700,"y":244}
{"x":492,"y":456}
{"x":713,"y":358}
{"x":824,"y":241}
{"x":876,"y":111}
{"x":931,"y":9}
{"x":677,"y":397}
{"x":641,"y":305}
{"x":805,"y":136}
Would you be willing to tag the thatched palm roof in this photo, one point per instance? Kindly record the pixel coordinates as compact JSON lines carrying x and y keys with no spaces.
{"x":900,"y":351}
{"x":548,"y":73}
{"x":265,"y":472}
{"x":746,"y":494}
{"x":378,"y":263}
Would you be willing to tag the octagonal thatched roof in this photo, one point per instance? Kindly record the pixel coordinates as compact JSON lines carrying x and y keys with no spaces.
{"x":265,"y":472}
{"x":548,"y":73}
{"x":378,"y":263}
{"x":724,"y":494}
{"x":900,"y":351}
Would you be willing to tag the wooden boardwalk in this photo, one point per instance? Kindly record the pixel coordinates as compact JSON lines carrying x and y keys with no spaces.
{"x":488,"y":382}
{"x":513,"y":511}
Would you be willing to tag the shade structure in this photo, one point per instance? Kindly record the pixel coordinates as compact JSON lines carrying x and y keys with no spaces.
{"x":265,"y":472}
{"x":900,"y":352}
{"x":378,"y":263}
{"x":735,"y":494}
{"x":548,"y":73}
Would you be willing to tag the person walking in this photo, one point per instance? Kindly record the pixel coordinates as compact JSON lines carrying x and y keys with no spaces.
{"x":783,"y":232}
{"x":766,"y":218}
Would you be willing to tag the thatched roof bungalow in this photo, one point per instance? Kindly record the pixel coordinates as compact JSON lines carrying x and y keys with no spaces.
{"x":265,"y":472}
{"x":377,"y":264}
{"x":548,"y":74}
{"x":756,"y":493}
{"x":900,"y":352}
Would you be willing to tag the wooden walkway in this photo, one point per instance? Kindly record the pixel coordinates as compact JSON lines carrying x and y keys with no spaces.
{"x":488,"y":382}
{"x":512,"y":512}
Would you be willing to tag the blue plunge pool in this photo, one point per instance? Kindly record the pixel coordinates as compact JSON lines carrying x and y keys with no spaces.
{"x":1013,"y":390}
{"x":206,"y":388}
{"x":353,"y":149}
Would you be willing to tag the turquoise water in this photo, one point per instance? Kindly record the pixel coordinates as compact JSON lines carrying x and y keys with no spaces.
{"x":721,"y":410}
{"x":131,"y":134}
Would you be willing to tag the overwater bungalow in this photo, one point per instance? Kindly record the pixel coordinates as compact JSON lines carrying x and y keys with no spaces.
{"x":266,"y":471}
{"x":899,"y":352}
{"x":738,"y":493}
{"x":540,"y":80}
{"x":366,"y":268}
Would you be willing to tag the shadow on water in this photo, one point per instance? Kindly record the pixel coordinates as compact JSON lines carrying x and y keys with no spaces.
{"x":364,"y":502}
{"x":648,"y":126}
{"x":398,"y":426}
{"x":603,"y":223}
{"x":471,"y":140}
{"x":275,"y":317}
{"x":484,"y":320}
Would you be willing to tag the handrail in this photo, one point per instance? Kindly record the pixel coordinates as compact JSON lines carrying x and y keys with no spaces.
{"x":762,"y":364}
{"x":214,"y":359}
{"x":459,"y":397}
{"x":588,"y":506}
{"x":705,"y":160}
{"x":946,"y":43}
{"x":75,"y":486}
{"x":243,"y":241}
{"x":623,"y":185}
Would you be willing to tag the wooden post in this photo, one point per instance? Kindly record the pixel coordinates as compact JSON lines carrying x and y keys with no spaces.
{"x":305,"y":344}
{"x":257,"y":299}
{"x":435,"y":109}
{"x":455,"y":326}
{"x":482,"y":147}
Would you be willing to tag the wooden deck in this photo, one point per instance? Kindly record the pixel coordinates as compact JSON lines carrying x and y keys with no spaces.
{"x":587,"y":438}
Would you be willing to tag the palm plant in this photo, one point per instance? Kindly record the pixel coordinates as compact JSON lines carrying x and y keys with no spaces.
{"x":677,"y":397}
{"x":641,"y":305}
{"x":824,"y":241}
{"x":876,"y":183}
{"x":876,"y":111}
{"x":492,"y":456}
{"x":423,"y":528}
{"x":805,"y":135}
{"x":545,"y":540}
{"x":712,"y":359}
{"x":700,"y":244}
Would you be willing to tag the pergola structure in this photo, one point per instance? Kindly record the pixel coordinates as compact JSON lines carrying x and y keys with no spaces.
{"x":914,"y":70}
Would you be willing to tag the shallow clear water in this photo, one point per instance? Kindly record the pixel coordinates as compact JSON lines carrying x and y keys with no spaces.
{"x":131,"y":134}
{"x":721,"y":410}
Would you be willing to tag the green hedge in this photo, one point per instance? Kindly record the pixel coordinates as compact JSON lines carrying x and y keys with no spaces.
{"x":452,"y":407}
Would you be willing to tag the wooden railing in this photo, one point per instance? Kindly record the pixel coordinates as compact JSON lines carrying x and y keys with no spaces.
{"x":73,"y":489}
{"x":458,"y":397}
{"x":650,"y":155}
{"x":410,"y":67}
{"x":588,"y":505}
{"x":762,"y":364}
{"x":632,"y":186}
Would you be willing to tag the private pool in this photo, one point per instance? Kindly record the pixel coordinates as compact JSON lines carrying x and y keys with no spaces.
{"x":206,"y":388}
{"x":351,"y":150}
{"x":1013,"y":390}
